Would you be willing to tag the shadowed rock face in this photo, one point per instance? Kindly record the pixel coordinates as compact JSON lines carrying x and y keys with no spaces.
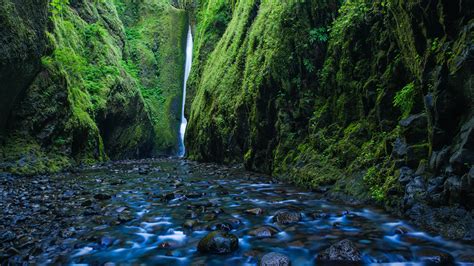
{"x":22,"y":43}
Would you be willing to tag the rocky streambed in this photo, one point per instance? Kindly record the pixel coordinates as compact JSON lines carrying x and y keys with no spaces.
{"x":176,"y":212}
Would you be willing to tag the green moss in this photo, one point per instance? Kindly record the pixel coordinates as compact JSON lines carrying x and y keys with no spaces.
{"x":156,"y":33}
{"x":405,"y":99}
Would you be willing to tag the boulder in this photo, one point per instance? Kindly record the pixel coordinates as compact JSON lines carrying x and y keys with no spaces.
{"x":264,"y":231}
{"x":218,"y":242}
{"x":343,"y":251}
{"x":287,"y":217}
{"x":275,"y":259}
{"x":414,"y":191}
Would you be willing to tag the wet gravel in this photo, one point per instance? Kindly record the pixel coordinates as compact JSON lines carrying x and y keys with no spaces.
{"x":175,"y":212}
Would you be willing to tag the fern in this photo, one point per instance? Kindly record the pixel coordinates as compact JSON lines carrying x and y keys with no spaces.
{"x":405,"y":99}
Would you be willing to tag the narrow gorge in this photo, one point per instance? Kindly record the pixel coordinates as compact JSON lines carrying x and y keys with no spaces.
{"x":237,"y":132}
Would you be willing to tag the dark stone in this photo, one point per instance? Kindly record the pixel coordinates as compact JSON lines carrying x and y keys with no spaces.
{"x":102,"y":196}
{"x":464,"y":150}
{"x":275,"y":259}
{"x":406,"y":175}
{"x":400,"y":147}
{"x":343,"y":251}
{"x":255,"y":211}
{"x":452,"y":189}
{"x":435,"y":190}
{"x":415,"y":128}
{"x":433,"y":256}
{"x":415,"y":190}
{"x":439,"y":158}
{"x":218,"y":243}
{"x":106,"y":241}
{"x":189,"y":223}
{"x":287,"y":217}
{"x":169,"y":196}
{"x":263,"y":231}
{"x":226,"y":227}
{"x":6,"y":236}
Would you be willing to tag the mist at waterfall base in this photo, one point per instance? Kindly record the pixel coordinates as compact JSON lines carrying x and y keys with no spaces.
{"x":187,"y":70}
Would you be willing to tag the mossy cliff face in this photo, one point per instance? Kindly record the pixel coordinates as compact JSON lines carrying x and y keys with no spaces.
{"x":99,"y":89}
{"x":22,"y":39}
{"x":156,"y":34}
{"x":266,"y":44}
{"x":368,"y":99}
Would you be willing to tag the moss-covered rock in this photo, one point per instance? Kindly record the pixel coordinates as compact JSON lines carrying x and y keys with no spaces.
{"x":339,"y":98}
{"x":109,"y":84}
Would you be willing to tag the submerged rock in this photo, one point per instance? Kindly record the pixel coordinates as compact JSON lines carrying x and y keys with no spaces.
{"x":343,"y":251}
{"x":102,"y":196}
{"x":287,"y":217}
{"x":433,"y":256}
{"x":218,"y":242}
{"x":275,"y":259}
{"x":264,"y":231}
{"x":255,"y":211}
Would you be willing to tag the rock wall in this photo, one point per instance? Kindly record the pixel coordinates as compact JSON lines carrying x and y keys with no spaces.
{"x":92,"y":82}
{"x":370,"y":100}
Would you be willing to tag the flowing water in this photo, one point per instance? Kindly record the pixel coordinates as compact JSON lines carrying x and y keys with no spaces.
{"x":187,"y":70}
{"x":145,"y":219}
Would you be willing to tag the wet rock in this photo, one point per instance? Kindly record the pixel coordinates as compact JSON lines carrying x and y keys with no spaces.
{"x":102,"y":196}
{"x":218,"y":242}
{"x":168,"y":196}
{"x":414,"y":128}
{"x":255,"y":211}
{"x":7,"y":235}
{"x":125,"y":217}
{"x":234,"y":222}
{"x":106,"y":241}
{"x":194,"y":195}
{"x":189,"y":223}
{"x":343,"y":251}
{"x":275,"y":259}
{"x":433,"y":256}
{"x":400,"y":147}
{"x":287,"y":217}
{"x":210,"y":217}
{"x":226,"y":227}
{"x":192,"y":215}
{"x":86,"y":203}
{"x":143,"y":171}
{"x":415,"y":190}
{"x":463,"y":155}
{"x":264,"y":231}
{"x":439,"y":158}
{"x":452,"y":189}
{"x":401,"y":230}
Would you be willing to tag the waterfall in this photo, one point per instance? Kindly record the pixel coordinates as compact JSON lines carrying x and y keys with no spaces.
{"x":187,"y":70}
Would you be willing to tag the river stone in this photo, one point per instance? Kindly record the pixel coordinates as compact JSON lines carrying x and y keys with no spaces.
{"x":255,"y":211}
{"x":218,"y":242}
{"x":275,"y":259}
{"x":287,"y":217}
{"x":343,"y":251}
{"x":433,"y":256}
{"x":102,"y":196}
{"x":264,"y":231}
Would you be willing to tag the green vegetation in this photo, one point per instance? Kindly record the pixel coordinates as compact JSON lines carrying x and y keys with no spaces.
{"x":316,"y":97}
{"x":114,"y":68}
{"x":156,"y":34}
{"x":405,"y":99}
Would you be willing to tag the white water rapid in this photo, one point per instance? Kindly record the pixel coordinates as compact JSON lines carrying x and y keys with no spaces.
{"x":187,"y":70}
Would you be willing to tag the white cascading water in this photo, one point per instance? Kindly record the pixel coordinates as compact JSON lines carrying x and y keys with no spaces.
{"x":187,"y":70}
